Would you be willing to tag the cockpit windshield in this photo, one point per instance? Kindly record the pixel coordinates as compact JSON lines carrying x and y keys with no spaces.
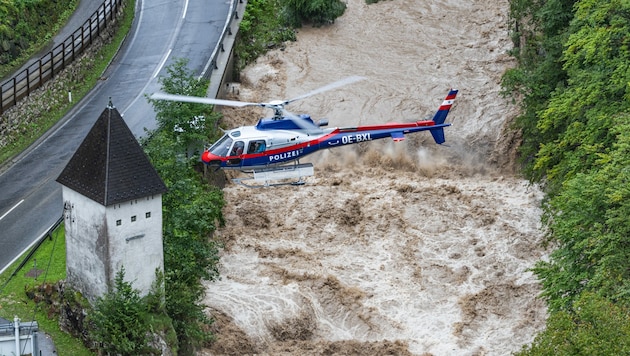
{"x":221,"y":147}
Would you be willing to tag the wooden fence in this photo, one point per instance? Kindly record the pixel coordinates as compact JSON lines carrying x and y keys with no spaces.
{"x":36,"y":74}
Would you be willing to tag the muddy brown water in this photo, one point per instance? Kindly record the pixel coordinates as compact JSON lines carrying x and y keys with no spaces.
{"x":391,"y":248}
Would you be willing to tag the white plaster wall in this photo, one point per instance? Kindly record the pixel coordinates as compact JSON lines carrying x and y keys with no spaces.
{"x":86,"y":249}
{"x":137,"y":245}
{"x":97,"y":247}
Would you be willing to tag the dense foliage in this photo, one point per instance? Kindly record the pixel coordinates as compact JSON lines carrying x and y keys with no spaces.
{"x":120,"y":320}
{"x":594,"y":327}
{"x":317,"y":12}
{"x":186,"y":125}
{"x":191,"y":207}
{"x":260,"y":30}
{"x":573,"y":81}
{"x":539,"y":29}
{"x":25,"y":24}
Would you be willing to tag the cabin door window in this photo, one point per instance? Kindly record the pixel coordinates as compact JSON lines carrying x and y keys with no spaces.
{"x":256,"y":146}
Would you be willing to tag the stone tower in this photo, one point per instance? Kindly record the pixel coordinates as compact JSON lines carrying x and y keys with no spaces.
{"x":112,"y":200}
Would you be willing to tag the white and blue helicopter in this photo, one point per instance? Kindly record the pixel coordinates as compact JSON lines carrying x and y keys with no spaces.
{"x":272,"y":148}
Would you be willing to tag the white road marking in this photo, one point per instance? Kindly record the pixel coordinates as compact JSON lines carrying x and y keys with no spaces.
{"x":159,"y":68}
{"x":185,"y":9}
{"x":10,"y":210}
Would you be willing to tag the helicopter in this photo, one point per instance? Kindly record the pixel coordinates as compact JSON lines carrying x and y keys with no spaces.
{"x":267,"y":148}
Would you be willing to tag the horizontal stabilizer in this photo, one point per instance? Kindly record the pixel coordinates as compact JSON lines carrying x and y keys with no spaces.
{"x":398,"y":136}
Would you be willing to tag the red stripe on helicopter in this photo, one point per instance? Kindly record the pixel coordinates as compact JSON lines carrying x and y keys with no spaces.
{"x":446,"y":105}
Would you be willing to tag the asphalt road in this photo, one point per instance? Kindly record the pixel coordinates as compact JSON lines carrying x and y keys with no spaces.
{"x":163,"y":31}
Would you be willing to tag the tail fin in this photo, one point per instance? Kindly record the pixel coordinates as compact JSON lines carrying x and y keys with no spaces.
{"x":440,"y":116}
{"x":438,"y":135}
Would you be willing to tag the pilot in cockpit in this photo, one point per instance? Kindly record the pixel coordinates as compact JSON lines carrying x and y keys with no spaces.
{"x":237,"y":150}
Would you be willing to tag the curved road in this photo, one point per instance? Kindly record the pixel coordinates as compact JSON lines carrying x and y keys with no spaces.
{"x":163,"y":30}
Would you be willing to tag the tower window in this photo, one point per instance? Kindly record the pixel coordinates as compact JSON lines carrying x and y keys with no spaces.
{"x":133,"y":218}
{"x":118,"y":222}
{"x":147,"y":214}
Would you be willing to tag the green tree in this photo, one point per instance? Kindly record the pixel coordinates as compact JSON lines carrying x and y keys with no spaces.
{"x":593,"y":327}
{"x":261,"y":29}
{"x":317,"y":12}
{"x":120,"y":321}
{"x":589,"y":221}
{"x":539,"y":30}
{"x":191,"y":210}
{"x":578,"y":118}
{"x":573,"y":81}
{"x":189,"y":125}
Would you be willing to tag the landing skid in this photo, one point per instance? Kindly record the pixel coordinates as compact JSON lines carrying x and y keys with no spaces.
{"x":266,"y":176}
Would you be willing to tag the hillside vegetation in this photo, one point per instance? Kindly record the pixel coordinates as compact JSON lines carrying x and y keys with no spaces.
{"x":26,"y":25}
{"x":573,"y":83}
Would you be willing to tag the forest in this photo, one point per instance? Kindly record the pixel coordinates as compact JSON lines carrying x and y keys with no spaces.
{"x":573,"y":86}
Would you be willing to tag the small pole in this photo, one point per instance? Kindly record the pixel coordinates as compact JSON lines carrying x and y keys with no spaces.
{"x":16,"y":325}
{"x":69,"y":96}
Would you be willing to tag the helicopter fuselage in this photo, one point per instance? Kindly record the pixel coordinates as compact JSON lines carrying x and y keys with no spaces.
{"x":286,"y":137}
{"x":282,"y":139}
{"x":279,"y":141}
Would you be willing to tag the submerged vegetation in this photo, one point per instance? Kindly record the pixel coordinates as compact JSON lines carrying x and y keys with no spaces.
{"x":573,"y":85}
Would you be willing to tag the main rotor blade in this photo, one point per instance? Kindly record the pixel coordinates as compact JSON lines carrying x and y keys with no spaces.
{"x":305,"y":125}
{"x":200,"y":100}
{"x":337,"y":84}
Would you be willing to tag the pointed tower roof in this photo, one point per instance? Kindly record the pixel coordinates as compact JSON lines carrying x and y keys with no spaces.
{"x":109,"y":166}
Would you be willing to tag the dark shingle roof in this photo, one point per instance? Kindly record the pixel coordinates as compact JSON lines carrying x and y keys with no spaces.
{"x":110,"y":167}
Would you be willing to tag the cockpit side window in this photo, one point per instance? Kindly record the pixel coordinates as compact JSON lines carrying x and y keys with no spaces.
{"x":256,"y":146}
{"x":238,"y":148}
{"x":221,"y":147}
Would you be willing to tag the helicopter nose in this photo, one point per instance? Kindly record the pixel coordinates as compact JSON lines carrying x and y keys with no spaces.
{"x":209,"y":158}
{"x":206,"y":157}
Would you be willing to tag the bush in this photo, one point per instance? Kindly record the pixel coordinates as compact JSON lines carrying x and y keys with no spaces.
{"x":317,"y":12}
{"x":120,"y":321}
{"x":594,"y":326}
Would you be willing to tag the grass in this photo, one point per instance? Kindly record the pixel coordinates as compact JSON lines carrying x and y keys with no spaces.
{"x":51,"y":102}
{"x":50,"y":259}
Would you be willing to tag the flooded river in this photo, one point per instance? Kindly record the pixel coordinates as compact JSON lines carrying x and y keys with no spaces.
{"x":402,"y":248}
